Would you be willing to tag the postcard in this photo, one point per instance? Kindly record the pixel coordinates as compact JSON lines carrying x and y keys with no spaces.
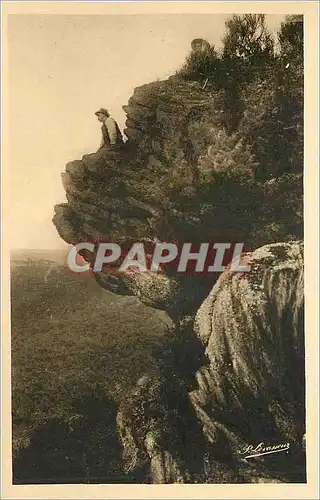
{"x":160,"y":250}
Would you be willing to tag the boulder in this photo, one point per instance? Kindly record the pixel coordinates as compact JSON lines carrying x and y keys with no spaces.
{"x":250,"y":391}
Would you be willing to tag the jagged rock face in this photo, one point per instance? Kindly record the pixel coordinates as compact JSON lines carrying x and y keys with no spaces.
{"x":250,"y":388}
{"x":252,"y":327}
{"x":118,"y":195}
{"x":151,"y":188}
{"x":250,"y":391}
{"x":156,"y":425}
{"x":160,"y":114}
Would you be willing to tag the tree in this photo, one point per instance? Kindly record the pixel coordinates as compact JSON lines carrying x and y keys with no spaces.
{"x":200,"y":64}
{"x":290,"y":37}
{"x":247,"y":52}
{"x":247,"y":39}
{"x":272,"y":106}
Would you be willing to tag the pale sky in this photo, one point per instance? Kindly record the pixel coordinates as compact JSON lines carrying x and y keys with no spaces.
{"x":61,"y":70}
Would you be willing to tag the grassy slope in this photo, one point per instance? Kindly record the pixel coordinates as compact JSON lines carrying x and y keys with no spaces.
{"x":71,"y":339}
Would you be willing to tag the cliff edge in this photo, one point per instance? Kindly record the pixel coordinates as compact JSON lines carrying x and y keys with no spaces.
{"x":226,"y":380}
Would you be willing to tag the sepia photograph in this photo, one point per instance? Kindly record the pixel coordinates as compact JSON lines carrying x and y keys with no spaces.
{"x":156,"y":184}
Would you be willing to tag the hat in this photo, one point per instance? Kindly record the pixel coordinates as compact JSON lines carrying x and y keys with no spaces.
{"x":102,"y":111}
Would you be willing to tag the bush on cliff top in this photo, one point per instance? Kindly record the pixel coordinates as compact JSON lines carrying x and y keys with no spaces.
{"x":263,"y":89}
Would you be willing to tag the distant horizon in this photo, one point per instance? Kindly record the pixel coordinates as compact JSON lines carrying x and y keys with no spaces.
{"x":39,"y":250}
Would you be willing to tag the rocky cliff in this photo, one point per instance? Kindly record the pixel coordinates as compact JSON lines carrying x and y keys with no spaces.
{"x":146,"y":189}
{"x":124,"y":193}
{"x":249,"y":391}
{"x":235,"y":377}
{"x":168,"y":182}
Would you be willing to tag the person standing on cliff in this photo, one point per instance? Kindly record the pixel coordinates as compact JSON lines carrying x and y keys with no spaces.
{"x":111,"y":135}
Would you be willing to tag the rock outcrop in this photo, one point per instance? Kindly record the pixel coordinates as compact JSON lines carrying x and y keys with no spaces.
{"x":235,"y":378}
{"x":120,"y":193}
{"x":249,"y":392}
{"x":152,"y":188}
{"x":123,"y":196}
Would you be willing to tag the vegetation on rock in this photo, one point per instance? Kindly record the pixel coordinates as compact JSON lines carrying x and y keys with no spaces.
{"x":214,"y":153}
{"x":198,"y":164}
